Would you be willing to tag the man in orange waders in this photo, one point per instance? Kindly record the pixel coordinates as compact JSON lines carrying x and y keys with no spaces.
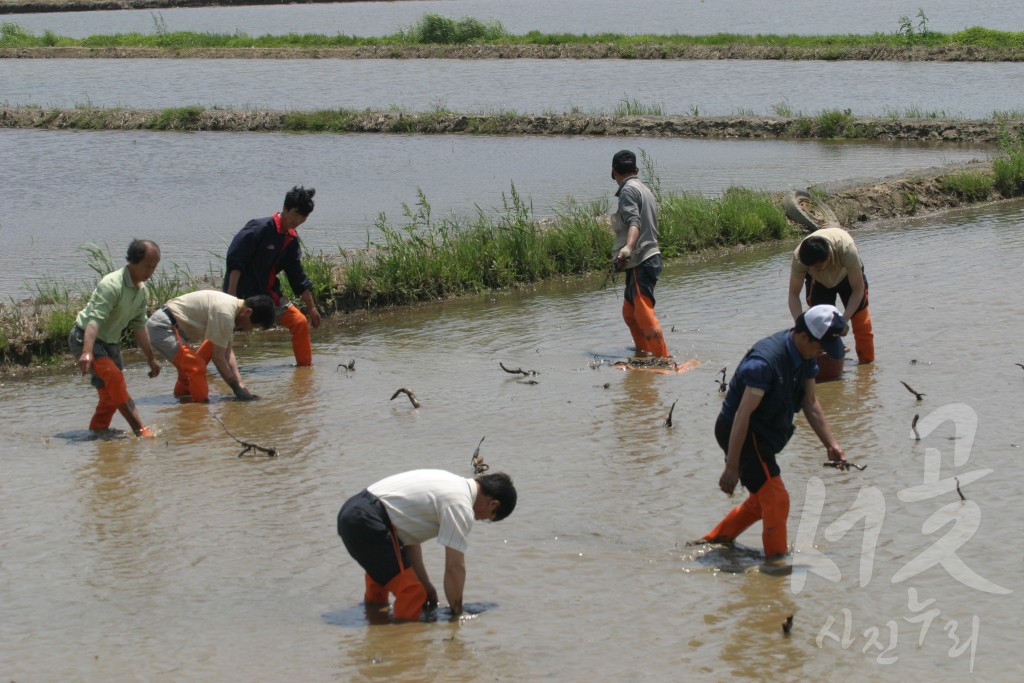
{"x":636,"y":252}
{"x":773,"y":382}
{"x":119,"y":301}
{"x":261,"y":250}
{"x":383,"y":526}
{"x":211,"y":316}
{"x":827,"y":264}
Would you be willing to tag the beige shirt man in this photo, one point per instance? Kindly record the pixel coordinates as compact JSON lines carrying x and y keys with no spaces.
{"x":843,"y":261}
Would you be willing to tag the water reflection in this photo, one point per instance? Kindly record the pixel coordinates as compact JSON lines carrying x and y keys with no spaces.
{"x":639,"y":412}
{"x":757,"y":605}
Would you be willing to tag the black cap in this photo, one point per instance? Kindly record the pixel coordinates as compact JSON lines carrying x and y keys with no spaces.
{"x":624,"y":161}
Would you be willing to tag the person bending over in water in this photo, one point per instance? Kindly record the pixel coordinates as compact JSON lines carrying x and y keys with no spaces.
{"x":383,"y":526}
{"x":211,"y":316}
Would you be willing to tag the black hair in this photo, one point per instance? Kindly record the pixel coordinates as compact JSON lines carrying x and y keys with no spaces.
{"x":813,"y":249}
{"x":498,"y":486}
{"x":801,"y":326}
{"x":137,"y":250}
{"x":262,"y":310}
{"x":300,"y":199}
{"x":624,"y":162}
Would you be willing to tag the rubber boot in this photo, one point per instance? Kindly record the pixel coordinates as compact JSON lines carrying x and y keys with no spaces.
{"x":774,"y":502}
{"x":410,"y":595}
{"x":205,"y":351}
{"x":739,"y":519}
{"x":863,"y":335}
{"x":375,"y":594}
{"x":181,"y":387}
{"x":131,"y":416}
{"x":654,"y":338}
{"x":113,"y":380}
{"x":296,"y":322}
{"x":629,"y":315}
{"x":104,"y":413}
{"x":191,"y":373}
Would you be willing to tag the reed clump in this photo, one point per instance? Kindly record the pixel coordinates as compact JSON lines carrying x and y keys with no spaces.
{"x":692,"y":222}
{"x":971,"y":186}
{"x":436,"y":29}
{"x":830,"y":123}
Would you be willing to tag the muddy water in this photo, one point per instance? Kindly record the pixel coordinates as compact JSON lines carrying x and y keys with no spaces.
{"x":60,"y":192}
{"x":173,"y":559}
{"x":678,"y":87}
{"x":694,"y":17}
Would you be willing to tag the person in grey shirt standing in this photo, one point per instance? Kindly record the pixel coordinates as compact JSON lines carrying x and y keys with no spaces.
{"x":636,"y":252}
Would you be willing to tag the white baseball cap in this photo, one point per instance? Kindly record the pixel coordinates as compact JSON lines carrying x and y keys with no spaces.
{"x":825,"y":324}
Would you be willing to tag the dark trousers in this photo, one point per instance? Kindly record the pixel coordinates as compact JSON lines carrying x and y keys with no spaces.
{"x":366,"y":531}
{"x":757,"y":463}
{"x":818,"y":294}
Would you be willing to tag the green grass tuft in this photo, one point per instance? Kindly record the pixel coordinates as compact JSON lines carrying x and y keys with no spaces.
{"x":177,"y":118}
{"x":968,"y":185}
{"x":436,"y":29}
{"x":633,"y":107}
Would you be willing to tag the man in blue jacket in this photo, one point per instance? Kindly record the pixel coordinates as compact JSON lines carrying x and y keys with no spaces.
{"x":261,"y":250}
{"x":773,"y":382}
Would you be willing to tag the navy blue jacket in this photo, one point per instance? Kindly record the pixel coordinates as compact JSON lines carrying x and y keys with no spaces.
{"x":260,"y":252}
{"x":774,"y":365}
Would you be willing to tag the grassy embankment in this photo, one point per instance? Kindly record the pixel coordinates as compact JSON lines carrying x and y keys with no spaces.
{"x":433,"y":29}
{"x":628,"y":118}
{"x":425,"y":259}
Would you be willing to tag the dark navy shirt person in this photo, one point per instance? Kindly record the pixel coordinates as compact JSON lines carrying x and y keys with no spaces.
{"x":260,"y":251}
{"x":773,"y":382}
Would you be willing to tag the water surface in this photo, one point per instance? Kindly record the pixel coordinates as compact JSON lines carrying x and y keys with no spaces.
{"x":693,"y":17}
{"x":173,"y":559}
{"x":709,"y":88}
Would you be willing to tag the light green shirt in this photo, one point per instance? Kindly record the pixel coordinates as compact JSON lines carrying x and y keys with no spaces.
{"x":115,"y":304}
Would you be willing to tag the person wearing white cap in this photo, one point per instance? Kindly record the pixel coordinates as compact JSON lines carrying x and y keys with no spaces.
{"x":773,"y":382}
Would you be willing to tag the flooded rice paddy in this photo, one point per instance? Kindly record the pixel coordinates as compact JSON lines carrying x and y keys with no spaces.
{"x":694,"y":17}
{"x":173,"y":559}
{"x":529,"y":86}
